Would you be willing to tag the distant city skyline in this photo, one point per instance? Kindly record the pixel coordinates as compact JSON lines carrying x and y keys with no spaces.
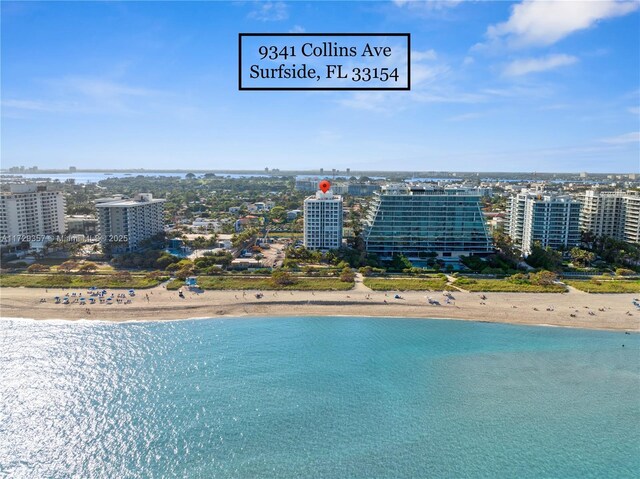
{"x":496,"y":88}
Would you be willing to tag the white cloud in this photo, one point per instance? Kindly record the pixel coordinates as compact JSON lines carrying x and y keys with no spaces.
{"x":634,"y":110}
{"x":269,"y":11}
{"x":544,"y":22}
{"x":297,"y":29}
{"x":81,"y":95}
{"x":31,"y":105}
{"x":425,"y":55}
{"x":428,"y":4}
{"x":100,"y":89}
{"x":525,"y":66}
{"x":368,"y":100}
{"x":633,"y":137}
{"x":421,"y":73}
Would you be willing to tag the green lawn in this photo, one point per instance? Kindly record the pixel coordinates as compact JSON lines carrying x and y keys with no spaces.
{"x":504,"y":286}
{"x":606,"y":286}
{"x":73,"y":281}
{"x":301,"y":284}
{"x":407,"y":284}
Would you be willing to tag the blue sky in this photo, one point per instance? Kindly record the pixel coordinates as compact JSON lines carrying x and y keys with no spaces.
{"x":496,"y":87}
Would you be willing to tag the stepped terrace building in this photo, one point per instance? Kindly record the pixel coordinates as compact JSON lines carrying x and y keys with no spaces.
{"x":415,"y":220}
{"x":323,"y":221}
{"x":551,"y":220}
{"x":125,"y":223}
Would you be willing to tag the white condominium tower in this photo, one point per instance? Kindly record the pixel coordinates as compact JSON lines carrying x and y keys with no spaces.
{"x":551,"y":220}
{"x":323,"y":221}
{"x":30,"y":212}
{"x":419,"y":220}
{"x":632,"y":217}
{"x":124,"y":223}
{"x":602,"y":213}
{"x":611,"y":213}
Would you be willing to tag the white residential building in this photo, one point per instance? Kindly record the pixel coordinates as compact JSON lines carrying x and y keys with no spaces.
{"x":611,"y":213}
{"x":323,"y":221}
{"x":632,"y":217}
{"x":551,"y":220}
{"x":603,"y":213}
{"x":123,"y":224}
{"x":29,"y":212}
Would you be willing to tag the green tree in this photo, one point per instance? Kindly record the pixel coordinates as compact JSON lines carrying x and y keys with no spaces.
{"x":545,"y":258}
{"x":277,"y":214}
{"x":581,"y":257}
{"x":400,"y":262}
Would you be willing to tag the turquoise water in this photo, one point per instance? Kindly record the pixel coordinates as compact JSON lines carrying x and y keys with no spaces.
{"x":317,"y":398}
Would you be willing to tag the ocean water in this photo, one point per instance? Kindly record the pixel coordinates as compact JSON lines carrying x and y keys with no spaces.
{"x":94,"y":177}
{"x":316,"y":397}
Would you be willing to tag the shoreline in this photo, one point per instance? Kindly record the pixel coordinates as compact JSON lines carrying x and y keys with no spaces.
{"x":280,"y":316}
{"x":613,"y":312}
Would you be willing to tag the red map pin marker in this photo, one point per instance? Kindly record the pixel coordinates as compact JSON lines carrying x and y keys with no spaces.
{"x":324,"y":185}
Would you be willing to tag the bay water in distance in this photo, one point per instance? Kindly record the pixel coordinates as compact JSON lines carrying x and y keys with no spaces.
{"x":316,"y":397}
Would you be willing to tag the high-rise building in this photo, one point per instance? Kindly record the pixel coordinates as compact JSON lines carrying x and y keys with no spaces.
{"x":420,"y":219}
{"x":551,"y":220}
{"x":632,"y":217}
{"x":603,"y":213}
{"x":323,"y":221}
{"x":124,"y":223}
{"x":611,"y":213}
{"x":306,"y":184}
{"x":29,"y":213}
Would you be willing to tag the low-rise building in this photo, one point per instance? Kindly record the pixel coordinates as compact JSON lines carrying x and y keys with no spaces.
{"x":206,"y":224}
{"x":85,"y":225}
{"x":293,"y":214}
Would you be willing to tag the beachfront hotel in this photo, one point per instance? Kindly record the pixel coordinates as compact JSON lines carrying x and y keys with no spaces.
{"x":551,"y":220}
{"x":125,"y":223}
{"x":323,"y":221}
{"x":29,"y":212}
{"x":418,"y":220}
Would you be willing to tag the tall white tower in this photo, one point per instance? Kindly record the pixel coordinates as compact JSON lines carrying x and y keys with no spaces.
{"x":323,"y":219}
